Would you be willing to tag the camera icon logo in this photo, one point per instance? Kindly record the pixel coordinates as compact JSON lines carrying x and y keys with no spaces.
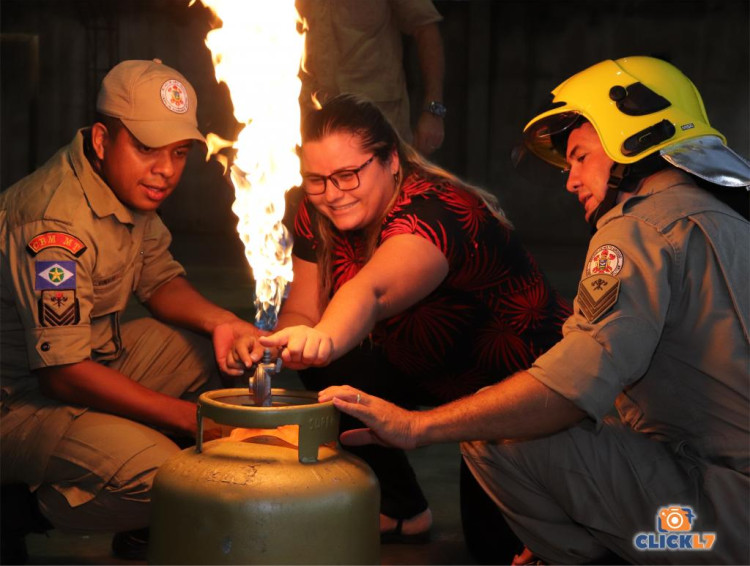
{"x":674,"y":518}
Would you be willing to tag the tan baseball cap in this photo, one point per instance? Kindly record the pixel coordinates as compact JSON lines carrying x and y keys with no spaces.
{"x":156,"y":103}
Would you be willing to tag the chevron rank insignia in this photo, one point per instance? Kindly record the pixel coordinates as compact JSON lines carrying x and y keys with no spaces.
{"x":58,"y":308}
{"x":597,"y":294}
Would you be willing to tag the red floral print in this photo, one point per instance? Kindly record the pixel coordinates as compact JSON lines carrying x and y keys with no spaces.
{"x":492,"y":315}
{"x":469,"y":208}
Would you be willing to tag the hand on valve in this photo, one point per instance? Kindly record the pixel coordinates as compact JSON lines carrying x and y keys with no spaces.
{"x":237,"y":347}
{"x":301,"y":346}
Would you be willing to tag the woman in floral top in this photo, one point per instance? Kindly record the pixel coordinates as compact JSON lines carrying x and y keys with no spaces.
{"x":407,"y":281}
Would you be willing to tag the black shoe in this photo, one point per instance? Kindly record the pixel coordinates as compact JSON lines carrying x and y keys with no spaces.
{"x":19,"y":516}
{"x":130,"y":545}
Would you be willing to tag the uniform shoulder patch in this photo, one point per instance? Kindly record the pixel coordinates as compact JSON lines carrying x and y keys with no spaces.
{"x":606,"y":259}
{"x":597,"y":294}
{"x":55,"y":240}
{"x":58,"y":308}
{"x":55,"y":275}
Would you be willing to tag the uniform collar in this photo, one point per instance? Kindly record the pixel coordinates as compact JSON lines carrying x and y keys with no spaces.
{"x":655,"y":183}
{"x":663,"y":180}
{"x":101,"y":198}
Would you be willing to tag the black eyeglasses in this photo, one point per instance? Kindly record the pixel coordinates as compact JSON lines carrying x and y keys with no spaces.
{"x":344,"y":180}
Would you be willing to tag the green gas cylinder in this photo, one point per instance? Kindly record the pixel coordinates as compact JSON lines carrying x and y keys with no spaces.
{"x":266,"y":499}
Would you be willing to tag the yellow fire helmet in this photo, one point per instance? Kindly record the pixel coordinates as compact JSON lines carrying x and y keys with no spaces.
{"x":638,"y":106}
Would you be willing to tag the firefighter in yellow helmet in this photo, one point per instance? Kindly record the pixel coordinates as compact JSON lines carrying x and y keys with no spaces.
{"x":647,"y":115}
{"x":631,"y":435}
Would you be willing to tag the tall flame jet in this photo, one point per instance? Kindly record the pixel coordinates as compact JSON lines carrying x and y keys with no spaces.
{"x":257,"y":52}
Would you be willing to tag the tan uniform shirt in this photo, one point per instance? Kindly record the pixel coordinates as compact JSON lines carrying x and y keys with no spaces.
{"x":672,"y":350}
{"x":356,"y":47}
{"x":71,"y":255}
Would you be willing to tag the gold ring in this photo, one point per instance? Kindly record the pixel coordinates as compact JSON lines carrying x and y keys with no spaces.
{"x":359,"y":398}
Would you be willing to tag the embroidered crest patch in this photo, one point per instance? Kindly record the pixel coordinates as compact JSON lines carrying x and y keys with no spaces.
{"x":606,"y":259}
{"x":58,"y":308}
{"x":55,"y":240}
{"x":174,"y":96}
{"x":597,"y":294}
{"x":55,"y":275}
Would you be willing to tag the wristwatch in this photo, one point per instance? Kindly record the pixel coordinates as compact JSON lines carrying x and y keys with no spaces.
{"x":436,"y":108}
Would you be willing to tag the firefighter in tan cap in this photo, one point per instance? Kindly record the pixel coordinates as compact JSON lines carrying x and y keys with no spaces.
{"x":85,"y":397}
{"x":631,"y":435}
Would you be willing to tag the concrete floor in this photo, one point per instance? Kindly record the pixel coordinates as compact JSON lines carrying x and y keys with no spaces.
{"x":215,"y":265}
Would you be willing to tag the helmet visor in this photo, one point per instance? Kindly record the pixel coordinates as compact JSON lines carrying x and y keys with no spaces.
{"x":540,"y":157}
{"x":547,"y":138}
{"x":535,"y":170}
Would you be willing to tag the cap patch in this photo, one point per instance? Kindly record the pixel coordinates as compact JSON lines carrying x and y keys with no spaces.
{"x":607,"y":259}
{"x":58,"y":308}
{"x":55,"y":275}
{"x":174,"y":96}
{"x":55,"y":240}
{"x":597,"y":294}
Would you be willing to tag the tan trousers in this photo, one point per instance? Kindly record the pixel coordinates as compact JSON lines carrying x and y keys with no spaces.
{"x":574,"y":495}
{"x":99,"y":475}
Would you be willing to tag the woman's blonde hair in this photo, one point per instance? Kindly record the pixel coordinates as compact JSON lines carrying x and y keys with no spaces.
{"x":358,"y":116}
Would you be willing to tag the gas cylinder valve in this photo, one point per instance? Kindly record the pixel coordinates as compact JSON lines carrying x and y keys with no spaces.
{"x":260,"y":379}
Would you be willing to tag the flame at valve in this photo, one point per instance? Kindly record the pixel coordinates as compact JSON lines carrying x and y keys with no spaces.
{"x":257,"y":53}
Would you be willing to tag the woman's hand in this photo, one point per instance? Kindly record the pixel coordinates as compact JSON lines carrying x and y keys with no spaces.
{"x":388,"y":424}
{"x":301,"y":346}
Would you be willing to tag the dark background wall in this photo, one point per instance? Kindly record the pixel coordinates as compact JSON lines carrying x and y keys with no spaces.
{"x":502,"y":59}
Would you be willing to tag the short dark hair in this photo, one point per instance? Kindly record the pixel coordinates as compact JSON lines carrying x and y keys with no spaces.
{"x":560,"y":139}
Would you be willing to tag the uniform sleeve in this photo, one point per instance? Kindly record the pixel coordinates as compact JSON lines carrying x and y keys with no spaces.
{"x":600,"y":356}
{"x":51,"y":286}
{"x":411,"y":14}
{"x":305,"y":232}
{"x":158,"y":266}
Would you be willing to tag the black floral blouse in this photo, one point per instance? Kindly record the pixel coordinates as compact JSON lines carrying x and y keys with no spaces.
{"x":492,"y":315}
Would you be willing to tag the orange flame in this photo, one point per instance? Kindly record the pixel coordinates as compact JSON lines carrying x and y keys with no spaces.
{"x":257,"y":53}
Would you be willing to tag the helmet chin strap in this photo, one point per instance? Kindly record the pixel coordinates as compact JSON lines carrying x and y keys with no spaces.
{"x":614,"y":184}
{"x":626,"y":178}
